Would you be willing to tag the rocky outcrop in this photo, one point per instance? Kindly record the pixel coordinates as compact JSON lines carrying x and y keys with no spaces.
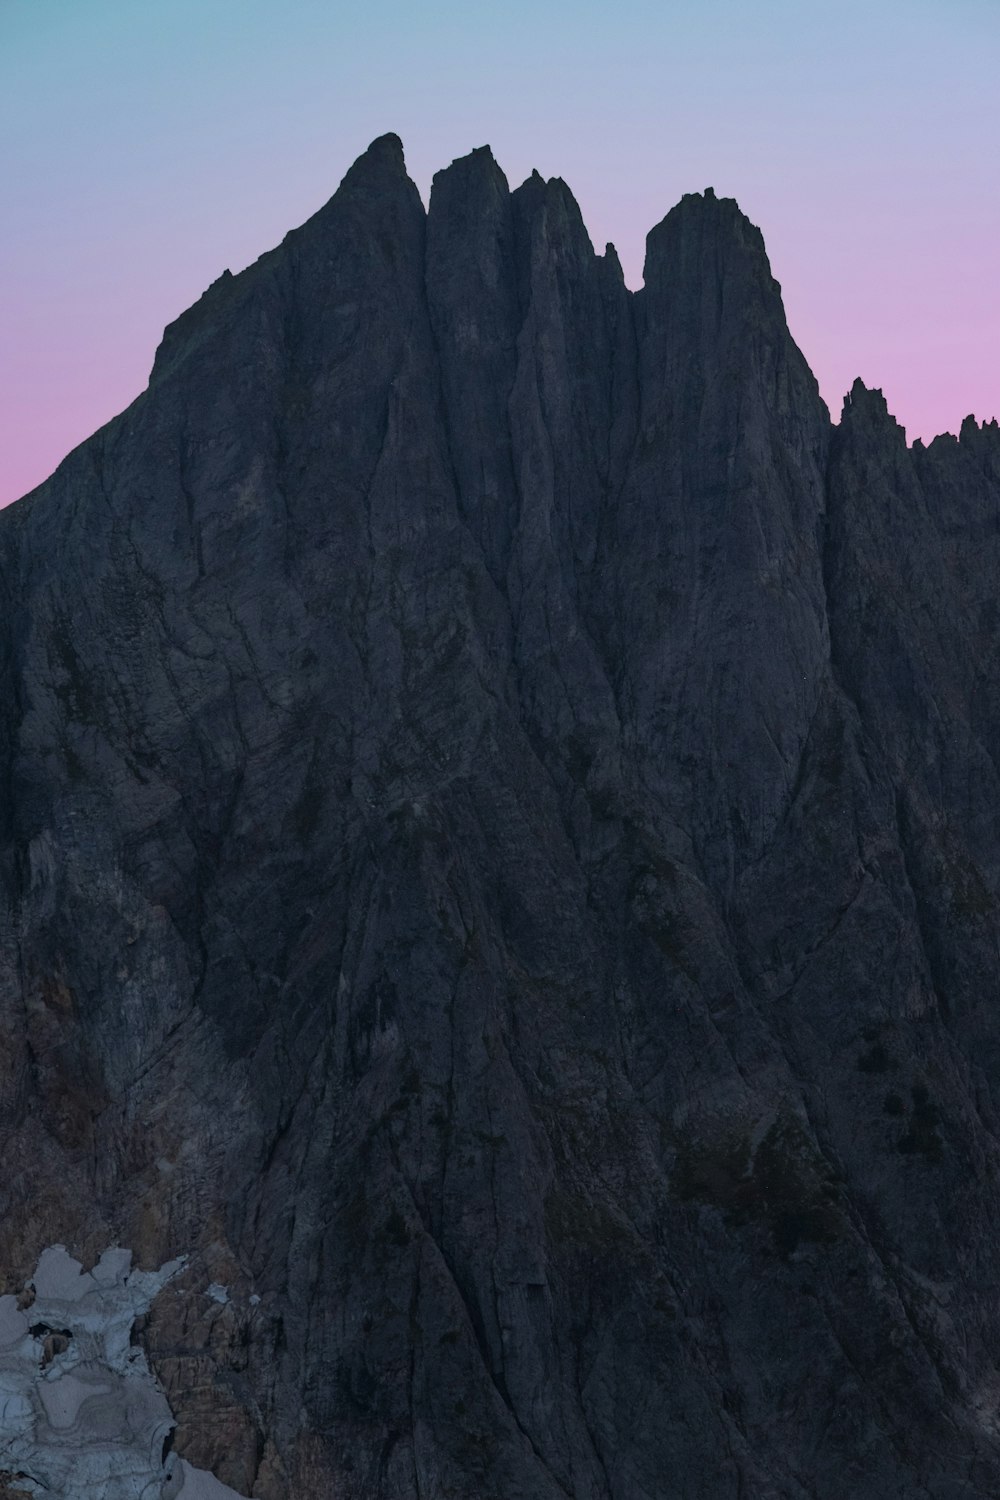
{"x":499,"y":866}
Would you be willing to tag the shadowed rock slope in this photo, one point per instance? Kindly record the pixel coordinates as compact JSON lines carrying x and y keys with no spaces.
{"x":499,"y":857}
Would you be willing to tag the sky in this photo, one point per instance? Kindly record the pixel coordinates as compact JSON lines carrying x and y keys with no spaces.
{"x":146,"y":145}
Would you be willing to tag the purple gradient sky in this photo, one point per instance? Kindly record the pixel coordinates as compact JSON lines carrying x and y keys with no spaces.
{"x":145,"y":147}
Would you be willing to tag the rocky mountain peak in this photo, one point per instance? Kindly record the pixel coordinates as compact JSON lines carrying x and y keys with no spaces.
{"x":500,"y":855}
{"x":383,"y":159}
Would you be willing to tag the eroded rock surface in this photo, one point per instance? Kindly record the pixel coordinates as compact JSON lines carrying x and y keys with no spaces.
{"x":499,"y":857}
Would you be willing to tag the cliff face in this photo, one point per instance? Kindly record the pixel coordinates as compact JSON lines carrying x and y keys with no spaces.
{"x":499,"y":858}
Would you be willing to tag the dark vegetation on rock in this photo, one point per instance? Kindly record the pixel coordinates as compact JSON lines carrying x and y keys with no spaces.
{"x":499,"y":855}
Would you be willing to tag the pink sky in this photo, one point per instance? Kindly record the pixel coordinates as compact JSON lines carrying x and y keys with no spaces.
{"x":147,"y":148}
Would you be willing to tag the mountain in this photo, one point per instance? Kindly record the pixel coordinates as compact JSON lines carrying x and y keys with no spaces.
{"x":499,"y":867}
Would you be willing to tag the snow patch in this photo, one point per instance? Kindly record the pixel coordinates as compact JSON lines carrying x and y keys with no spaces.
{"x":81,"y":1414}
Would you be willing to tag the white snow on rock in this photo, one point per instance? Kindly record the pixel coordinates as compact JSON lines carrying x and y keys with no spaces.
{"x":81,"y":1415}
{"x":198,"y":1484}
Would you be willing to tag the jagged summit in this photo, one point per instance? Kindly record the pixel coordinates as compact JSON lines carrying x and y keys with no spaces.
{"x":869,"y":407}
{"x":712,"y":226}
{"x":866,"y":408}
{"x":500,"y":854}
{"x":717,"y":225}
{"x":384,"y":154}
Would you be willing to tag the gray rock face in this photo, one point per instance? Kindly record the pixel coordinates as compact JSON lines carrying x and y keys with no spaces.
{"x":499,"y":856}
